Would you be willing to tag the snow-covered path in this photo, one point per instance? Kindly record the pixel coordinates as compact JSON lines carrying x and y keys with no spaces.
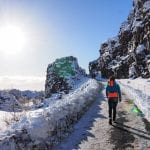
{"x":93,"y":132}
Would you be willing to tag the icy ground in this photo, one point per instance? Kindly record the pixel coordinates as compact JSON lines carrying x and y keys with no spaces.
{"x":92,"y":132}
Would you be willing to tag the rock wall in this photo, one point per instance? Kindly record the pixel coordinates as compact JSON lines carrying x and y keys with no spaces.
{"x":128,"y":54}
{"x":62,"y":74}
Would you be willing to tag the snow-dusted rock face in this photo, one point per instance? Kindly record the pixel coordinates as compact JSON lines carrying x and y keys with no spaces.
{"x":128,"y":54}
{"x":62,"y":75}
{"x":94,"y":68}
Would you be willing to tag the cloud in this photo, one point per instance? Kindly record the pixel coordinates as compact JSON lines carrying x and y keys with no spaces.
{"x":22,"y":82}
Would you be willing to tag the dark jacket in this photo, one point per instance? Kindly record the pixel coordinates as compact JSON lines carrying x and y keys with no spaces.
{"x":114,"y":88}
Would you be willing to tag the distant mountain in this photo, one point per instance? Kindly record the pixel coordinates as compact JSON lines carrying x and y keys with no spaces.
{"x":127,"y":54}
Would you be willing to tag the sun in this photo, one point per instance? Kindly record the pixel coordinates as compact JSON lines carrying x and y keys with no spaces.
{"x":12,"y":39}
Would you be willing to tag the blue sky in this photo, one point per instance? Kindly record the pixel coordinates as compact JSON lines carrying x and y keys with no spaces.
{"x":57,"y":28}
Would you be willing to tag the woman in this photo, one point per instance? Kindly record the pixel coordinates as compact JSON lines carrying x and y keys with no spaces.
{"x":113,"y":94}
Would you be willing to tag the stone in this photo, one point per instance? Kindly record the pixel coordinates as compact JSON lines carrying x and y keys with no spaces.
{"x":62,"y":74}
{"x":125,"y":55}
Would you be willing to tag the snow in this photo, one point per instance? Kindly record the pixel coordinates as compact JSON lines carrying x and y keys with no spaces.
{"x":54,"y":116}
{"x":111,"y":45}
{"x":124,"y":57}
{"x":125,"y":27}
{"x":132,"y":71}
{"x":136,"y":24}
{"x":3,"y":116}
{"x":116,"y":63}
{"x":139,"y":90}
{"x":146,"y":6}
{"x":140,"y":49}
{"x":148,"y":61}
{"x":135,"y":2}
{"x":115,"y":66}
{"x":113,"y":39}
{"x":106,"y":54}
{"x":117,"y":44}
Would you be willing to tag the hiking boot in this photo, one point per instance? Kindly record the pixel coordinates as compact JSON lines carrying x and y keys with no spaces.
{"x":110,"y":121}
{"x":114,"y":120}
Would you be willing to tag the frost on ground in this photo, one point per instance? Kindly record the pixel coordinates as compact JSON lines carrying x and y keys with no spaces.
{"x":44,"y":127}
{"x":139,"y":91}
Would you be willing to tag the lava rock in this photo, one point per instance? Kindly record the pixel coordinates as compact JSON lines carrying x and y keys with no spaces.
{"x":62,"y":74}
{"x":125,"y":55}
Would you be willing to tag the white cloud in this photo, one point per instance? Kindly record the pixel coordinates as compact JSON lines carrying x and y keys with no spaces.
{"x":22,"y":82}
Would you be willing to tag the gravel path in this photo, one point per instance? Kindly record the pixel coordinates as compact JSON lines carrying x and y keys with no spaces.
{"x":92,"y":132}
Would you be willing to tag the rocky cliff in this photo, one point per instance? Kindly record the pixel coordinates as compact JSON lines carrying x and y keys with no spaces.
{"x":62,"y":75}
{"x":127,"y":54}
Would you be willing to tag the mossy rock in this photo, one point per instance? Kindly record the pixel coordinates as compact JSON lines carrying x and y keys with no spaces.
{"x":64,"y":68}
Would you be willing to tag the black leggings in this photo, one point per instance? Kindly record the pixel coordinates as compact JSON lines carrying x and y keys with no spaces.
{"x":112,"y":107}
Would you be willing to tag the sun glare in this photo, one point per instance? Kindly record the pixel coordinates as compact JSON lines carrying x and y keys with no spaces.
{"x":12,"y":39}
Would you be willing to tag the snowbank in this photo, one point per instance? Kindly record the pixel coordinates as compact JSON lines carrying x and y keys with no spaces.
{"x":44,"y":127}
{"x":139,"y":91}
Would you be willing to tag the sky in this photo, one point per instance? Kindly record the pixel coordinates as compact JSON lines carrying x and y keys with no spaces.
{"x":54,"y":29}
